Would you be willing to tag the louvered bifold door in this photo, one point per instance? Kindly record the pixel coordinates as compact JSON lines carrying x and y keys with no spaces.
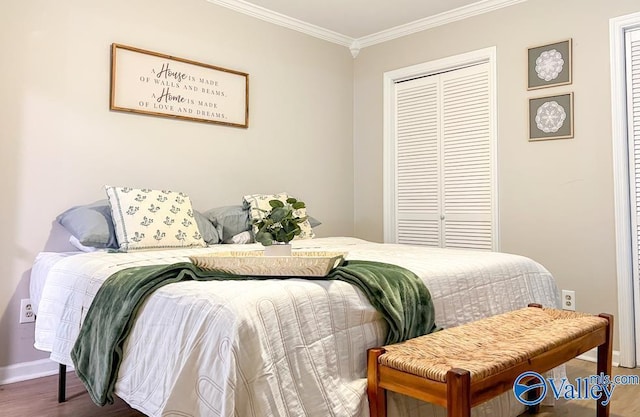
{"x":417,"y":162}
{"x":632,"y":39}
{"x":467,"y":183}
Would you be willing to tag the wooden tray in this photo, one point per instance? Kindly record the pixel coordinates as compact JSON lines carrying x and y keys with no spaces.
{"x":252,"y":263}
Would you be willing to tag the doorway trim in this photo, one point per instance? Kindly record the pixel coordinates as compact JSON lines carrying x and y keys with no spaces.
{"x":628,"y":289}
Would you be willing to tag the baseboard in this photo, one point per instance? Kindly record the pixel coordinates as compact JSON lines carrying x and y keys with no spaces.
{"x":592,"y":356}
{"x":28,"y":370}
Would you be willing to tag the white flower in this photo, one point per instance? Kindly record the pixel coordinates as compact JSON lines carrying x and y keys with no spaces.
{"x":549,"y":65}
{"x":550,"y":117}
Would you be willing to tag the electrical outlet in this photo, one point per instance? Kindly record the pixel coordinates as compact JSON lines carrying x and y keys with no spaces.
{"x":26,"y":311}
{"x":568,"y":300}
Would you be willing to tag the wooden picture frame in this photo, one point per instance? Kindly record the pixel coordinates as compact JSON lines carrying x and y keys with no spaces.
{"x":156,"y":84}
{"x":551,"y":117}
{"x":549,"y":65}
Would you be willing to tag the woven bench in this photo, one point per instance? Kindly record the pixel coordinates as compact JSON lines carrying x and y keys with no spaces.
{"x":461,"y":367}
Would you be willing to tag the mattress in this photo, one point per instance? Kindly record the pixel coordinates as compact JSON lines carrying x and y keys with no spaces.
{"x":39,"y":272}
{"x":276,"y":347}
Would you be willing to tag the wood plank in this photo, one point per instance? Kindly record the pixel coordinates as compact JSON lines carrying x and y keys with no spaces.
{"x":417,"y":387}
{"x":38,"y":397}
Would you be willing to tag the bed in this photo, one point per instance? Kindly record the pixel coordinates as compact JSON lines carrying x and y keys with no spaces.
{"x":276,"y":347}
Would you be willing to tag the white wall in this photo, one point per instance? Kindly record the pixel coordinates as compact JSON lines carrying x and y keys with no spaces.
{"x":556,"y":197}
{"x":61,"y":144}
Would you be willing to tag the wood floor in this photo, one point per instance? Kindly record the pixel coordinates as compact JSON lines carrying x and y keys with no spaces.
{"x":37,"y":398}
{"x":625,"y":398}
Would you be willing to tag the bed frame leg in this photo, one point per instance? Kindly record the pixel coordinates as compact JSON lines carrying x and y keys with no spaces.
{"x":62,"y":382}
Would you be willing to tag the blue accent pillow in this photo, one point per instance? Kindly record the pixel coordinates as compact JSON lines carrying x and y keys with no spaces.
{"x":91,"y":224}
{"x":313,"y":221}
{"x":210,"y":233}
{"x":230,"y":220}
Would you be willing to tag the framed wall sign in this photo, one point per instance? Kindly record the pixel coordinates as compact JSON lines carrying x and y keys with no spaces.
{"x":549,"y":65}
{"x":551,"y":117}
{"x":162,"y":85}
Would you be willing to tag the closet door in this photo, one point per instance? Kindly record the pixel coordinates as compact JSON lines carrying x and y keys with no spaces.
{"x":443,"y":160}
{"x":417,"y":160}
{"x":466,"y":159}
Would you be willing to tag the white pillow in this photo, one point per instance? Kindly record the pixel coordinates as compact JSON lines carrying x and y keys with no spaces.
{"x":152,"y":219}
{"x":241,"y":238}
{"x":259,"y":202}
{"x":76,"y":244}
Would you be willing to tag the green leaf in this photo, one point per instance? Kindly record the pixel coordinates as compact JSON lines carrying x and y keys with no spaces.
{"x":276,"y":203}
{"x":278,"y":214}
{"x":291,"y":200}
{"x":298,"y":205}
{"x":281,"y":236}
{"x":265,"y":238}
{"x":290,"y":226}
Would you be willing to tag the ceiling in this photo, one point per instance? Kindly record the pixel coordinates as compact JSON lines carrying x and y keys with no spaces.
{"x":360,"y":23}
{"x":359,"y":18}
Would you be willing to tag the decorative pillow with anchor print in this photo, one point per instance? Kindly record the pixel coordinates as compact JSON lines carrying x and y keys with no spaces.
{"x":152,"y":219}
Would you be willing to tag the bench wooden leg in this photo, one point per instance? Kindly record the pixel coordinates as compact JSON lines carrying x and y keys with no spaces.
{"x":533,"y":395}
{"x":377,"y":396}
{"x":605,"y":353}
{"x":458,"y":393}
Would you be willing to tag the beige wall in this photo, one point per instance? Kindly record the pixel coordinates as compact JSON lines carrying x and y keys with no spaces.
{"x":556,"y":197}
{"x":60,"y":144}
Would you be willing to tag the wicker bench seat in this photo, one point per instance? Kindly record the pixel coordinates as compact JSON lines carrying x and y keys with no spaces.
{"x":461,"y":367}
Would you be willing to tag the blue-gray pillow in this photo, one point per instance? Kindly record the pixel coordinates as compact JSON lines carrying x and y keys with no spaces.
{"x":314,"y":222}
{"x":231,"y":220}
{"x":210,"y":233}
{"x":91,"y":224}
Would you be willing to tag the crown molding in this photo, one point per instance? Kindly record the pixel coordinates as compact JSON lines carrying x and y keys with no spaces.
{"x":441,"y":19}
{"x":284,"y":20}
{"x":355,"y":45}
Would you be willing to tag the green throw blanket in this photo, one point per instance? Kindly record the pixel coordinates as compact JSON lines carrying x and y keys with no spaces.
{"x":397,"y":293}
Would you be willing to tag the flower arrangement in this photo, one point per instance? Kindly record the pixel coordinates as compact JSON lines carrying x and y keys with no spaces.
{"x":280,"y":224}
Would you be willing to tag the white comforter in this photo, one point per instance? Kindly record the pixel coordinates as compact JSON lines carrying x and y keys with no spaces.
{"x":276,"y":347}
